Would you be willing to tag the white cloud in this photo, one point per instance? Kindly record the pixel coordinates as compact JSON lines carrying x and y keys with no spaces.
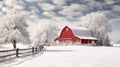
{"x":9,"y":2}
{"x":50,"y":14}
{"x":60,"y":19}
{"x":110,"y":1}
{"x":72,"y":7}
{"x":5,"y":9}
{"x":34,"y":9}
{"x":34,"y":0}
{"x":33,"y":16}
{"x":18,"y":6}
{"x":70,"y":11}
{"x":15,"y":4}
{"x":94,"y":4}
{"x":59,"y":2}
{"x":1,"y":4}
{"x":47,"y":6}
{"x":116,"y":8}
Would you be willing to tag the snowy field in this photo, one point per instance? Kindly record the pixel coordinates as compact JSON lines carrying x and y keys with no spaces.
{"x":73,"y":56}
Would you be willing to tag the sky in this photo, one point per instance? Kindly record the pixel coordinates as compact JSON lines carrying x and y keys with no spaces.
{"x":65,"y":10}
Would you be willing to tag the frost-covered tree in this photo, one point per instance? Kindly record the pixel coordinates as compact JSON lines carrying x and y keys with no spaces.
{"x":13,"y":29}
{"x":51,"y":33}
{"x":44,"y":33}
{"x":98,"y":24}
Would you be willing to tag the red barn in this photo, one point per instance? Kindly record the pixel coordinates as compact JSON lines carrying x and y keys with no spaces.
{"x":76,"y":35}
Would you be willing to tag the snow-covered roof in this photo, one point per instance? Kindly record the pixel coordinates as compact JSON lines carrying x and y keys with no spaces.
{"x":78,"y":28}
{"x":84,"y":37}
{"x":82,"y":32}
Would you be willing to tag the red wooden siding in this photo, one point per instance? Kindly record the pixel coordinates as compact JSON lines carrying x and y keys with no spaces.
{"x":67,"y":36}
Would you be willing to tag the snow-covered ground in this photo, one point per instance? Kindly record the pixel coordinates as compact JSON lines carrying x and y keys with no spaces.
{"x":116,"y":45}
{"x":74,"y":56}
{"x":10,"y":46}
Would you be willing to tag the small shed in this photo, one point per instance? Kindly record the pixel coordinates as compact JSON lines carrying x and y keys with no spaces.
{"x":76,"y":35}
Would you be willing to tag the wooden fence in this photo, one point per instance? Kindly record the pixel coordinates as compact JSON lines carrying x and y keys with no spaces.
{"x":10,"y":54}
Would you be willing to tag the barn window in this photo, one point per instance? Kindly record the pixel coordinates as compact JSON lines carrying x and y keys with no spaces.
{"x":66,"y":29}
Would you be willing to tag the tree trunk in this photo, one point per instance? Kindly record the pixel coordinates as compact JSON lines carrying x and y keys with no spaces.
{"x":14,"y":43}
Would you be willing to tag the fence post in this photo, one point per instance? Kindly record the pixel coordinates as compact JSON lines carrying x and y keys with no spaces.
{"x":32,"y":49}
{"x":42,"y":47}
{"x":39,"y":48}
{"x":17,"y":52}
{"x":36,"y":50}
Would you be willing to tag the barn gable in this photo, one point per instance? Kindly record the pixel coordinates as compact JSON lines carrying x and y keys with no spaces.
{"x":67,"y":35}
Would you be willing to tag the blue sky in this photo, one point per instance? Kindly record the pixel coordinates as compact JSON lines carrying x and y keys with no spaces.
{"x":66,"y":10}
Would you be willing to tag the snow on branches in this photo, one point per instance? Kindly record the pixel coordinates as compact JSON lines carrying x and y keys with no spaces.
{"x":43,"y":32}
{"x":14,"y":28}
{"x":98,"y":24}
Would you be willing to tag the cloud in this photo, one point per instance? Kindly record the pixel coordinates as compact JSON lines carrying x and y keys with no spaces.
{"x":18,"y":6}
{"x":72,"y":7}
{"x":34,"y":0}
{"x":9,"y":2}
{"x":34,"y":9}
{"x":109,"y":2}
{"x":47,"y":6}
{"x":71,"y":11}
{"x":1,"y":4}
{"x":60,"y":19}
{"x":116,"y":8}
{"x":50,"y":14}
{"x":5,"y":9}
{"x":95,"y":5}
{"x":15,"y":4}
{"x":59,"y":2}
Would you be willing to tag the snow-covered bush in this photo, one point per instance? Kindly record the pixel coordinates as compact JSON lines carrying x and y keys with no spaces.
{"x":13,"y":29}
{"x":98,"y":24}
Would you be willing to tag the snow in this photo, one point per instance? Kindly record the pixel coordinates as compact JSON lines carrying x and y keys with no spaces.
{"x":10,"y":46}
{"x":116,"y":45}
{"x":84,"y":37}
{"x":74,"y":56}
{"x":14,"y":28}
{"x":82,"y":32}
{"x":78,"y":28}
{"x":99,"y":26}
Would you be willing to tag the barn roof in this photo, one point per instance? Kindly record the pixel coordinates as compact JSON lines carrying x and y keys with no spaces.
{"x":82,"y":32}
